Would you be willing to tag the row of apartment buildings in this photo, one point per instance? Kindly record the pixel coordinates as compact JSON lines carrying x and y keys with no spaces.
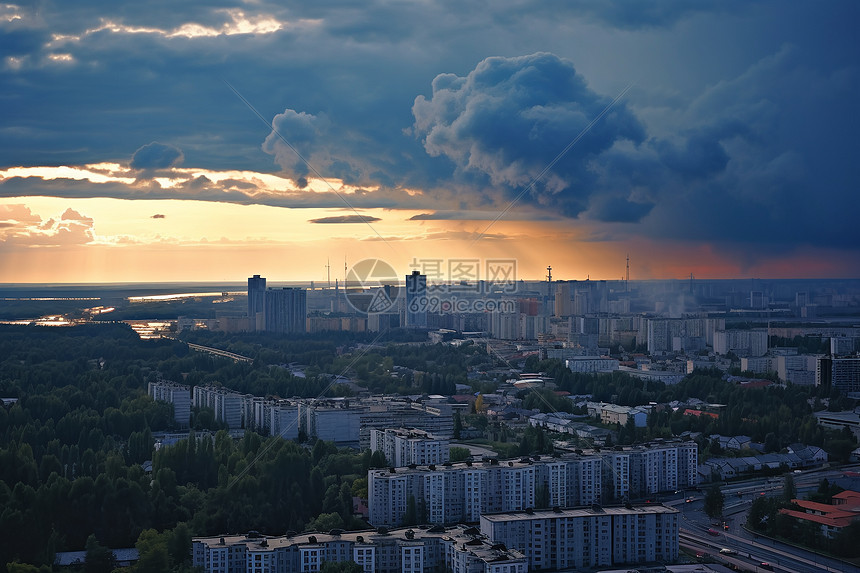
{"x":459,"y":550}
{"x":463,"y":492}
{"x":518,"y":542}
{"x":840,"y":372}
{"x":344,"y":422}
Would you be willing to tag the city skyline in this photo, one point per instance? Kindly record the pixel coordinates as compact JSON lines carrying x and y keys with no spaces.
{"x":212,"y":142}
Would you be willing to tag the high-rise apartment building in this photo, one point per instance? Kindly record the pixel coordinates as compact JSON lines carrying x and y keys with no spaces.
{"x":741,"y":342}
{"x":456,"y":493}
{"x":227,"y":404}
{"x":845,"y":374}
{"x":416,"y":300}
{"x":586,"y":538}
{"x":256,"y":301}
{"x":403,"y":446}
{"x":176,"y":394}
{"x":285,"y":310}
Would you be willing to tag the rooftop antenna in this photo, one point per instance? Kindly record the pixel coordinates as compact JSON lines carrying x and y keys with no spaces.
{"x":627,"y":280}
{"x":691,"y":283}
{"x":549,"y":281}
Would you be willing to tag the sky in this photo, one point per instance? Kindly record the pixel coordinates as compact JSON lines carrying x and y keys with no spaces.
{"x":212,"y":140}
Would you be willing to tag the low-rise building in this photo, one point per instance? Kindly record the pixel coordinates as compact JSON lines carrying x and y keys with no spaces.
{"x":831,"y":519}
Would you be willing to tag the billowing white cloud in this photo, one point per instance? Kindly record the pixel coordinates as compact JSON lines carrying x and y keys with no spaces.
{"x":19,"y":226}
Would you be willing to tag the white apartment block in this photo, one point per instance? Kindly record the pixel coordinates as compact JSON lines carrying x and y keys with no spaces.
{"x":591,"y":364}
{"x":330,"y":420}
{"x":349,"y":422}
{"x":586,"y":538}
{"x":741,"y":342}
{"x":462,"y":492}
{"x":176,"y":394}
{"x":403,"y":447}
{"x":758,"y":364}
{"x":227,"y":404}
{"x":277,"y":418}
{"x":797,"y":369}
{"x":459,"y":550}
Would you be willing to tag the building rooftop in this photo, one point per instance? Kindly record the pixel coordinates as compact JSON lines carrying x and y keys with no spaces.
{"x":579,"y":512}
{"x":465,"y":539}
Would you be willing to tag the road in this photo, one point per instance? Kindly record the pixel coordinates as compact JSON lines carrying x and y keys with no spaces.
{"x":698,"y":534}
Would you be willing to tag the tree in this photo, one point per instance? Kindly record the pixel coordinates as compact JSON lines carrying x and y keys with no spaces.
{"x":789,"y":490}
{"x":179,"y":544}
{"x":152,"y":550}
{"x":326,"y":522}
{"x":411,"y":517}
{"x":16,"y":567}
{"x":714,"y":501}
{"x":542,"y":496}
{"x":377,"y":460}
{"x":341,"y":567}
{"x":457,"y":454}
{"x":99,"y":559}
{"x":458,"y":425}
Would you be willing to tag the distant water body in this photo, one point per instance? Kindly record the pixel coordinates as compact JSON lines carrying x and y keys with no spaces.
{"x":139,"y":291}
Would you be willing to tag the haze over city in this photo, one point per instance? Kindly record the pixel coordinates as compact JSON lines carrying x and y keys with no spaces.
{"x":712,"y":138}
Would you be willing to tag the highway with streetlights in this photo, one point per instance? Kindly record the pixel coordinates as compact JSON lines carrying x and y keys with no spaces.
{"x":727,"y":541}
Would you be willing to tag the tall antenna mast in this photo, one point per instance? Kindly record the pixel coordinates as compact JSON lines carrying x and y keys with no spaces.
{"x":549,"y":281}
{"x":328,"y":271}
{"x":627,"y":281}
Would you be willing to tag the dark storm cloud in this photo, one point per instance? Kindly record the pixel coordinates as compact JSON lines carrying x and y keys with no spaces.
{"x":509,"y":117}
{"x":224,"y":191}
{"x":346,"y":219}
{"x":624,"y":14}
{"x":156,"y":155}
{"x":752,"y":138}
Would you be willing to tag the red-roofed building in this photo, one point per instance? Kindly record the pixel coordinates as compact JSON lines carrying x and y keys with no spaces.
{"x":832,"y":518}
{"x":698,"y":413}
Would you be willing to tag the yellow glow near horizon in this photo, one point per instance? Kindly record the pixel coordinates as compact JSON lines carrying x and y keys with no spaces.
{"x":158,"y":240}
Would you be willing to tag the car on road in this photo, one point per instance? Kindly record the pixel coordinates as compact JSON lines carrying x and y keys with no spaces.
{"x":713,"y":532}
{"x":766,"y":566}
{"x":728,"y":551}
